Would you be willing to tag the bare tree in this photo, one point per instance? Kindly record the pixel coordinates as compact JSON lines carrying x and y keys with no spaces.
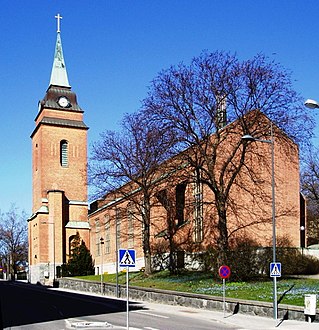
{"x":191,"y":101}
{"x":13,"y":239}
{"x":310,"y":187}
{"x":130,"y":163}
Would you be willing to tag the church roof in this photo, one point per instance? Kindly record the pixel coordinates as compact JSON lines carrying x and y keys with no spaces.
{"x":60,"y":122}
{"x":52,"y":95}
{"x":63,"y":122}
{"x":59,"y":76}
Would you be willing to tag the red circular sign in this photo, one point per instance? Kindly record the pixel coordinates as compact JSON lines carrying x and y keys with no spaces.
{"x":224,"y":271}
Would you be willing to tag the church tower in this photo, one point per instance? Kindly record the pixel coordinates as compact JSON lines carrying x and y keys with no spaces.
{"x":59,"y":175}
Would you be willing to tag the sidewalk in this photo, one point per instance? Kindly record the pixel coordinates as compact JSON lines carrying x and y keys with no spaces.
{"x":240,"y":321}
{"x":248,"y":322}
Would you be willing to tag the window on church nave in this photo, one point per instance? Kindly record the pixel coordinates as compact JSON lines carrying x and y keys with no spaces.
{"x":118,"y":219}
{"x":180,"y":203}
{"x":198,"y":207}
{"x":107,"y":238}
{"x":130,"y":226}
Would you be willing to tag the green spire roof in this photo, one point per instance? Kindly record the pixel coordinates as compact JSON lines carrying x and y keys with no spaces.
{"x":59,"y":76}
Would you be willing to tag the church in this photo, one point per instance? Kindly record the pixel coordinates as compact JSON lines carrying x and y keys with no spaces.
{"x":59,"y":175}
{"x":61,"y":209}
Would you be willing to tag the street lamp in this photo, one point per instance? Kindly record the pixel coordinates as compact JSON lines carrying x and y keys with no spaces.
{"x":102,"y":242}
{"x":250,"y":138}
{"x":311,"y":104}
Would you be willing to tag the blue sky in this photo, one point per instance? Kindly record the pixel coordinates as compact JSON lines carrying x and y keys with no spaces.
{"x":113,"y":49}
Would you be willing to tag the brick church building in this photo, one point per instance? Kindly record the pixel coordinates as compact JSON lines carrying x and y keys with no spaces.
{"x":60,"y":199}
{"x":183,"y":212}
{"x":59,"y":175}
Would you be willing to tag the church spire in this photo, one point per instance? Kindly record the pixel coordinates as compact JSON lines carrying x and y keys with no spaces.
{"x":59,"y":76}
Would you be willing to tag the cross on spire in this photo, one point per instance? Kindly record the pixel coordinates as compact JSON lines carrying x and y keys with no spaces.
{"x":59,"y":75}
{"x":58,"y":17}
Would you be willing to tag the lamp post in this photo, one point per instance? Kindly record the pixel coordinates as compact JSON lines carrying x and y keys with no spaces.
{"x":102,"y":242}
{"x":250,"y":138}
{"x":116,"y":253}
{"x":311,"y":104}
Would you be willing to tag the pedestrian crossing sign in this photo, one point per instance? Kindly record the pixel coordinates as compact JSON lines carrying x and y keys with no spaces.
{"x":126,"y":258}
{"x":275,"y":269}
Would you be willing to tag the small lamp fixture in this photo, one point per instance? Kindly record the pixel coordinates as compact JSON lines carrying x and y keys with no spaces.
{"x":311,"y":104}
{"x":248,"y":138}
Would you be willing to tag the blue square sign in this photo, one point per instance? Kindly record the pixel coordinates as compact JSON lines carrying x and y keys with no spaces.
{"x":275,"y":269}
{"x":126,"y":258}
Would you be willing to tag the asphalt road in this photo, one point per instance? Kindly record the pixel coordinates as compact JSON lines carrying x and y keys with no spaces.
{"x":26,"y":306}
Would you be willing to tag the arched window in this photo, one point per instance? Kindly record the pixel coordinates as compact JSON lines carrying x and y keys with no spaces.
{"x":71,"y":240}
{"x":64,"y":161}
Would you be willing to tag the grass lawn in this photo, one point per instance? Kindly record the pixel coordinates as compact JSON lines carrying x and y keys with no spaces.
{"x":289,"y":290}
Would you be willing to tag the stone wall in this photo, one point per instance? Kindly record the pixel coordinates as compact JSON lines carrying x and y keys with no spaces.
{"x":255,"y":308}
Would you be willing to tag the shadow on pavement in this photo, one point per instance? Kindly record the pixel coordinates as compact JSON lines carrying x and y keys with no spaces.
{"x":23,"y":304}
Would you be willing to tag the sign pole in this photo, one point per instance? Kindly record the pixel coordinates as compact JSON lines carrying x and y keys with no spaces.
{"x":224,"y":297}
{"x":127,"y":299}
{"x":275,"y":271}
{"x":126,"y":258}
{"x":224,"y":272}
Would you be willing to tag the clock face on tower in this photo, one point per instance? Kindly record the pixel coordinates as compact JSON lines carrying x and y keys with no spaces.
{"x":63,"y":102}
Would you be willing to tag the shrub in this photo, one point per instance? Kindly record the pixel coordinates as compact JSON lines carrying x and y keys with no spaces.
{"x":207,"y":260}
{"x":243,"y":259}
{"x":293,"y":262}
{"x":80,"y":262}
{"x":160,"y":257}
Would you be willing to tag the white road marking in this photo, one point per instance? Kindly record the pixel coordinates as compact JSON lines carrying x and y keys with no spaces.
{"x":151,"y":314}
{"x":74,"y":324}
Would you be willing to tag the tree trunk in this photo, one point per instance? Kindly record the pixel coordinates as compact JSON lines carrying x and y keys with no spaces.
{"x":222,"y":243}
{"x":146,"y":216}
